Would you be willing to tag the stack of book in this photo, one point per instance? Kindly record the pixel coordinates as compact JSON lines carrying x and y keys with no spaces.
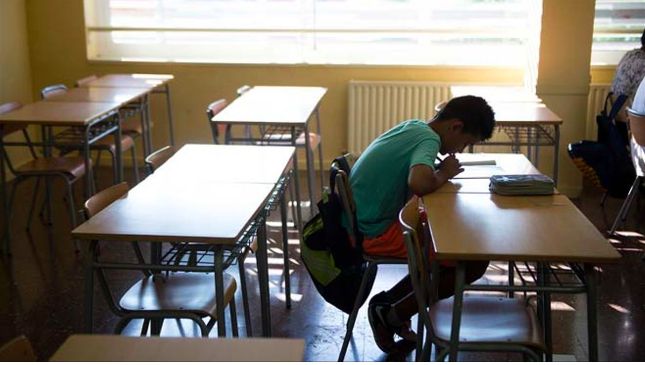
{"x":521,"y":184}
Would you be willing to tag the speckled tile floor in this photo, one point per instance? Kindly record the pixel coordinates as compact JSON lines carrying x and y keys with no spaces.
{"x":41,"y":288}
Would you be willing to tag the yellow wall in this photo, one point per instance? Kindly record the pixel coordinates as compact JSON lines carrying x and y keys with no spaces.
{"x":57,"y":50}
{"x":15,"y":74}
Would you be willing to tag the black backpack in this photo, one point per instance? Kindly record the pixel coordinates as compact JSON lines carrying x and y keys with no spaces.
{"x":335,"y":265}
{"x":607,"y":161}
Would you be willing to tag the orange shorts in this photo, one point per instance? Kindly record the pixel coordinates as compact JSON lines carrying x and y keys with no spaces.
{"x":392,"y":244}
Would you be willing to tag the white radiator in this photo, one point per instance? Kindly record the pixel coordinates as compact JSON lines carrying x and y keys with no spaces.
{"x":595,"y":101}
{"x":376,"y":106}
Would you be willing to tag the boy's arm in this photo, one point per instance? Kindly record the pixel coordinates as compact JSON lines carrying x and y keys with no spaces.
{"x":423,"y":180}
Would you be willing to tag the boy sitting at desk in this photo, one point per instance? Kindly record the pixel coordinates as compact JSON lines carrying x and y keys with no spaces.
{"x":397,"y":164}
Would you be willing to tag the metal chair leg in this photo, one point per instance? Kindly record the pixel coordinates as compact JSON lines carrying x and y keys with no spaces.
{"x":245,"y":298}
{"x":624,"y":209}
{"x":233,"y":312}
{"x":72,"y":211}
{"x":135,"y":164}
{"x":357,"y":305}
{"x":33,"y":202}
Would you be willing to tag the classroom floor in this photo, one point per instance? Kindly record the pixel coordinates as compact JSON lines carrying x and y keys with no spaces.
{"x":41,"y":288}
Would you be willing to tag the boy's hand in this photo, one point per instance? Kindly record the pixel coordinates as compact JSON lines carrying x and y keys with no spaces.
{"x":450,"y":166}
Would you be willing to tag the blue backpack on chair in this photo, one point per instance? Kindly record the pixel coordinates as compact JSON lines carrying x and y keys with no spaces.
{"x":607,"y":161}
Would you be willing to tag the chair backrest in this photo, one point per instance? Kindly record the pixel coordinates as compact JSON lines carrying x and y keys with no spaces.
{"x":51,"y":90}
{"x":243,"y":89}
{"x":159,"y":157}
{"x":103,"y":198}
{"x":417,"y":241}
{"x":217,"y":129}
{"x":85,"y":80}
{"x":637,"y":126}
{"x":342,"y":186}
{"x":7,"y":129}
{"x":18,"y":349}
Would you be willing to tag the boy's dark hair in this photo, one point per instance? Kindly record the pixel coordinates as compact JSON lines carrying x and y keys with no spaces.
{"x":478,"y":117}
{"x":643,"y":39}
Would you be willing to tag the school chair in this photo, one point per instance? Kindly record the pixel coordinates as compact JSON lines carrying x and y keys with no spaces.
{"x":372,"y":262}
{"x":18,"y":349}
{"x":157,"y":297}
{"x":637,"y":128}
{"x":487,"y":323}
{"x":68,"y":169}
{"x":71,"y":139}
{"x":218,"y":129}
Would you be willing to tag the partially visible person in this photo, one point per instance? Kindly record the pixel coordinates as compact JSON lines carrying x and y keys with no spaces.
{"x":629,"y":73}
{"x":638,"y":105}
{"x":396,"y":165}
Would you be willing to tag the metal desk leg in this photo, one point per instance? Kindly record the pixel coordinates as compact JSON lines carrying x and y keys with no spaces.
{"x":118,"y":152}
{"x":296,"y":180}
{"x":148,"y":132}
{"x":89,"y":175}
{"x":145,"y":128}
{"x":544,"y":309}
{"x":456,"y":310}
{"x":89,"y":286}
{"x":219,"y":290}
{"x":592,"y":311}
{"x":310,"y":171}
{"x":285,"y":249}
{"x":320,"y":153}
{"x":6,"y":236}
{"x":263,"y":278}
{"x":556,"y":155}
{"x":170,"y":122}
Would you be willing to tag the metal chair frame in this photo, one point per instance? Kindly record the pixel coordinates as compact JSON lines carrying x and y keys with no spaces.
{"x":372,"y":262}
{"x":154,"y":317}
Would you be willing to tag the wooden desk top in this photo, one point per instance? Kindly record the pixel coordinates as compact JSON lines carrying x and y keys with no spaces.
{"x":119,"y":95}
{"x":124,"y":348}
{"x":159,"y":209}
{"x":495,"y":227}
{"x":494,"y":93}
{"x":529,"y":114}
{"x":506,"y":163}
{"x":228,"y":163}
{"x":277,"y":105}
{"x":59,"y":113}
{"x":473,"y":186}
{"x":148,"y":81}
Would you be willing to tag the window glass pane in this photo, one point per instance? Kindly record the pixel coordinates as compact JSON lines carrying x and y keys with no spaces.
{"x":618,"y":26}
{"x":388,"y":32}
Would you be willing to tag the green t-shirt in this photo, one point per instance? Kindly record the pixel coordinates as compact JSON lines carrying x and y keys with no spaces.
{"x":379,"y":178}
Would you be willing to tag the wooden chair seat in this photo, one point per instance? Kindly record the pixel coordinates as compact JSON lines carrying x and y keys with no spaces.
{"x":74,"y":167}
{"x":18,"y":349}
{"x":178,"y":291}
{"x":489,"y":320}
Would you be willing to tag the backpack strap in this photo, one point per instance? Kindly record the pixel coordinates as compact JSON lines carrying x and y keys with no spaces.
{"x":616,"y":106}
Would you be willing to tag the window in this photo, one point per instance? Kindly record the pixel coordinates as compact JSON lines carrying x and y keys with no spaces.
{"x":382,"y":32}
{"x":618,"y":27}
